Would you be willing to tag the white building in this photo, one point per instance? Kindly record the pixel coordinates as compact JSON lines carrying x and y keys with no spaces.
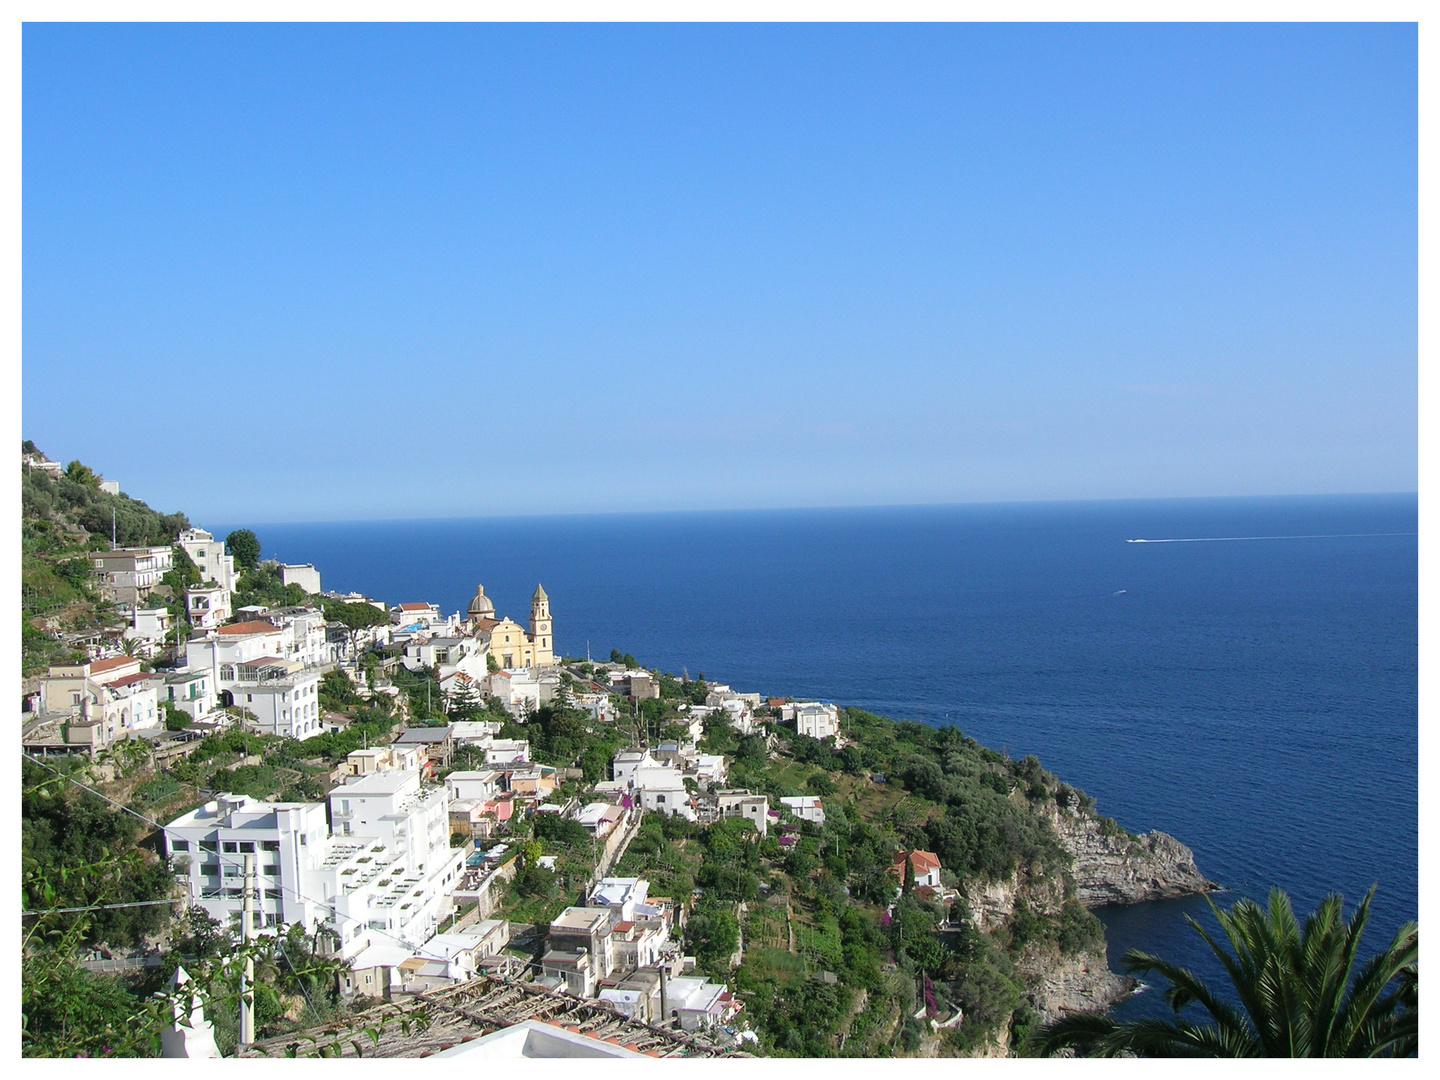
{"x":108,"y":699}
{"x":516,"y":690}
{"x":739,"y":714}
{"x":743,"y":804}
{"x":384,"y":759}
{"x":627,"y":762}
{"x":306,"y":639}
{"x":662,"y":790}
{"x":282,"y":695}
{"x":710,"y":768}
{"x":626,"y":897}
{"x":208,"y":848}
{"x":805,"y":807}
{"x":422,"y":615}
{"x":192,"y":692}
{"x":249,"y":667}
{"x":208,"y":555}
{"x":699,"y":1004}
{"x":507,"y":751}
{"x":385,"y":875}
{"x":208,"y":606}
{"x":150,"y":625}
{"x":819,"y":721}
{"x":391,"y":858}
{"x":303,"y":574}
{"x":223,"y":649}
{"x":474,"y":732}
{"x":473,"y":784}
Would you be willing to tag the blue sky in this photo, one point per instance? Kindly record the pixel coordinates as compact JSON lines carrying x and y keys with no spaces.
{"x":343,"y":272}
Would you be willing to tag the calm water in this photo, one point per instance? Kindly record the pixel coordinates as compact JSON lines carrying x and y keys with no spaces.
{"x":1256,"y":698}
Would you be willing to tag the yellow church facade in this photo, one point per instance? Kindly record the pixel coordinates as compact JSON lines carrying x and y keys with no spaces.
{"x":505,"y":640}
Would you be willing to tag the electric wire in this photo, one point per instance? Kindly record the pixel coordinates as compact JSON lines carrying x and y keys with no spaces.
{"x":233,"y":861}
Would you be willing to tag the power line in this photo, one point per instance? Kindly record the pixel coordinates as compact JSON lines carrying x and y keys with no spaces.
{"x":325,"y":905}
{"x":102,"y":907}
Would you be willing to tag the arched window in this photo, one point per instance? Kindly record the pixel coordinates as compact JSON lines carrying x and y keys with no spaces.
{"x":227,"y":671}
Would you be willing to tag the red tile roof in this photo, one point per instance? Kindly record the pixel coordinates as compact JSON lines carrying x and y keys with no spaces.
{"x":101,"y":666}
{"x":139,"y":676}
{"x":416,"y":607}
{"x":922,"y":861}
{"x":240,"y":629}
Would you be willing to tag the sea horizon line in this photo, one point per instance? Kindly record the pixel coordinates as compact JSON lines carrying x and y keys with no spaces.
{"x":979,"y":504}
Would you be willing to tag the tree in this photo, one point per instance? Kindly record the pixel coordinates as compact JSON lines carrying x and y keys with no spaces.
{"x":245,"y":546}
{"x":1299,"y":995}
{"x":354,"y":617}
{"x":82,"y":474}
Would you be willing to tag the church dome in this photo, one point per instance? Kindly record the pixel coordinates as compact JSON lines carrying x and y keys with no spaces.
{"x":480,"y":605}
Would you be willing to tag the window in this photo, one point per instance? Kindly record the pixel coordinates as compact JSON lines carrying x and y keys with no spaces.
{"x":229,"y":847}
{"x":247,"y":847}
{"x":179,"y":845}
{"x":269,"y":845}
{"x":210,"y":869}
{"x":207,"y":845}
{"x":273,"y":869}
{"x":272,"y":894}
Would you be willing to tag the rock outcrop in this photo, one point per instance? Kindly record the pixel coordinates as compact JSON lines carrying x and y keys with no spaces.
{"x":1058,"y":985}
{"x":1116,"y":867}
{"x":991,"y":902}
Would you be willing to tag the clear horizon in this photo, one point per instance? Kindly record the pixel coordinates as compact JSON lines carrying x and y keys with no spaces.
{"x":345,"y":272}
{"x":701,"y":511}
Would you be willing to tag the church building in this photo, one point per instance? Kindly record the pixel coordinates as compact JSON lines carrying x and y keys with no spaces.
{"x":505,"y":639}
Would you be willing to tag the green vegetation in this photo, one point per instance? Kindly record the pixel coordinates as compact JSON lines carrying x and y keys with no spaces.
{"x":244,"y":545}
{"x":262,"y":585}
{"x":76,"y":851}
{"x":1298,"y":990}
{"x":63,"y":518}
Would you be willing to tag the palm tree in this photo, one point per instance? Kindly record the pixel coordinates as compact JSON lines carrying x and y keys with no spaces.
{"x":1299,"y":994}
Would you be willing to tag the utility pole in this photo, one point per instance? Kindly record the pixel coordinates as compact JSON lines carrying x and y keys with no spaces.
{"x":247,"y":983}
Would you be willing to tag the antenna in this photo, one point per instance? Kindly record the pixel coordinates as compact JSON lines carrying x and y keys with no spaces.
{"x":112,"y":528}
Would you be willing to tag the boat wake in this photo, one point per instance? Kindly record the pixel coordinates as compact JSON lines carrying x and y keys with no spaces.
{"x":1221,"y":539}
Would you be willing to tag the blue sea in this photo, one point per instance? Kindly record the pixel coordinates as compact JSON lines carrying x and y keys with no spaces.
{"x":1256,"y":698}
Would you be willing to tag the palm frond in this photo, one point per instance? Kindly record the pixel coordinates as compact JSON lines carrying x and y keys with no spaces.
{"x":1299,"y":994}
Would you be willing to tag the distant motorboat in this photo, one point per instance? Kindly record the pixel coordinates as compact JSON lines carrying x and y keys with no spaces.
{"x":1118,"y":592}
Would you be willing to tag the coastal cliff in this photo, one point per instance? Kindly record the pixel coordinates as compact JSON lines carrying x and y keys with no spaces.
{"x":1105,"y":865}
{"x":1112,"y":866}
{"x":1057,"y":985}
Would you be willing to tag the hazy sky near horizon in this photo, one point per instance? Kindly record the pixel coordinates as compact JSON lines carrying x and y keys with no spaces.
{"x":300,"y":272}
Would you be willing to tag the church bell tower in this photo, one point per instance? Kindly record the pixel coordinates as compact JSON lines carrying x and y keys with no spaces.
{"x":540,"y":634}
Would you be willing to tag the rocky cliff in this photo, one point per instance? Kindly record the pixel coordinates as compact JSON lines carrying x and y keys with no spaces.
{"x":1116,"y":867}
{"x":1057,"y":984}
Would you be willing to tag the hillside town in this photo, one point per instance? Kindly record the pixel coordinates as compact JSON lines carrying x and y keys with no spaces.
{"x":263,"y":818}
{"x":406,"y":859}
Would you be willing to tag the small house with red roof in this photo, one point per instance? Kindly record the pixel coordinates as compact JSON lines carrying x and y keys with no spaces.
{"x":925,"y":864}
